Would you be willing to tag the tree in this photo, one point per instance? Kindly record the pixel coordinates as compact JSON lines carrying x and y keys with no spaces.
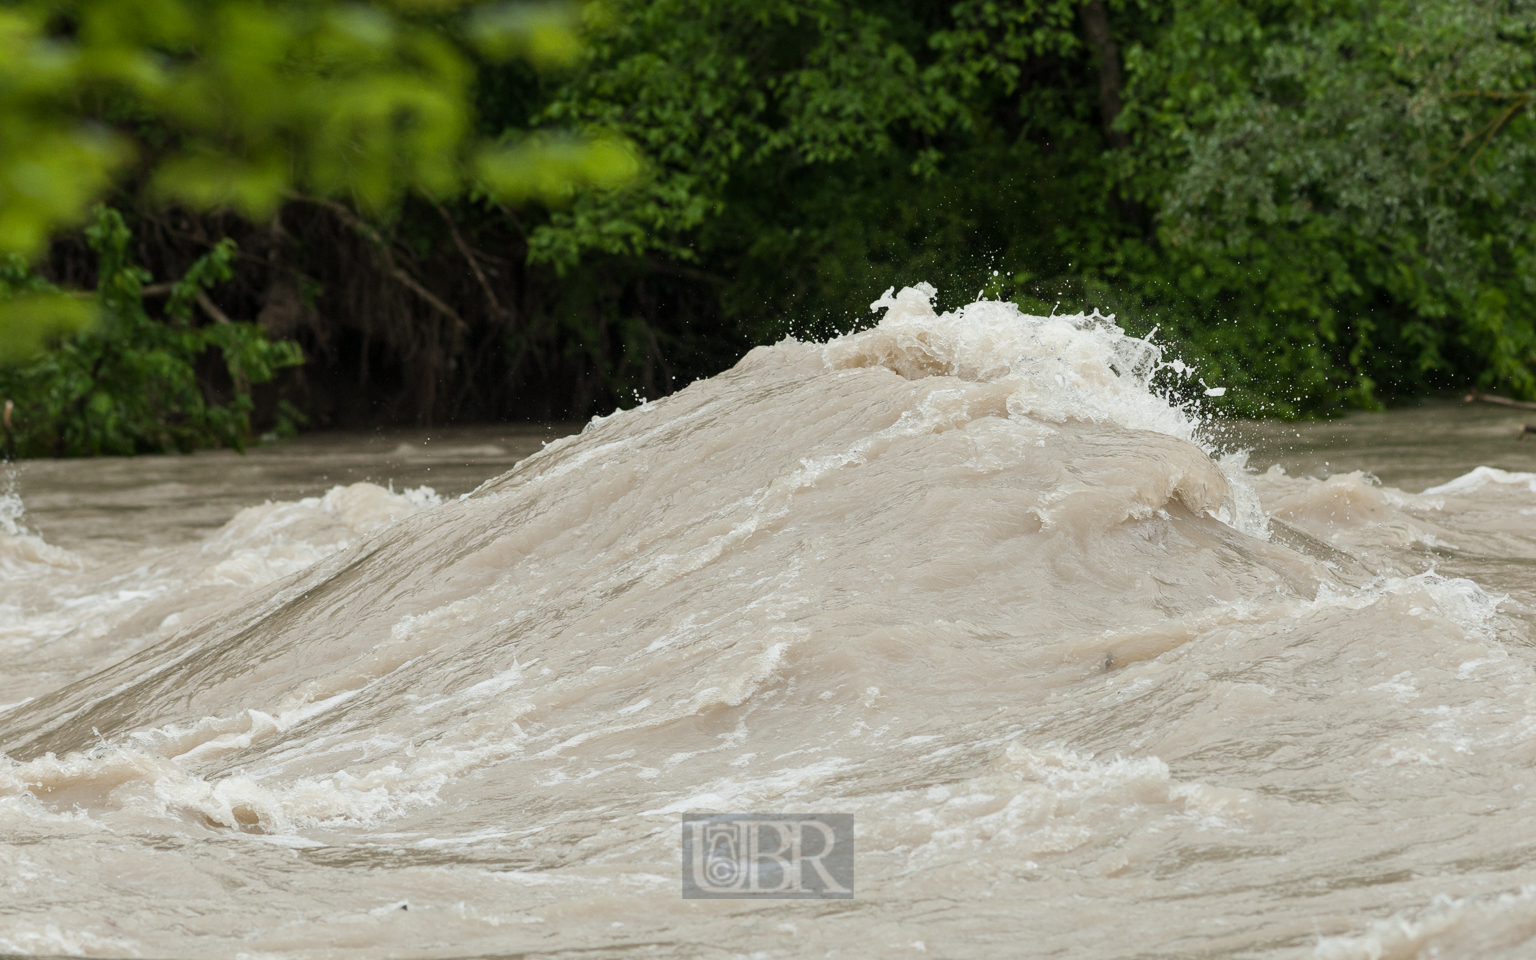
{"x":1323,"y":203}
{"x":242,"y":103}
{"x":1327,"y":203}
{"x":1365,"y":170}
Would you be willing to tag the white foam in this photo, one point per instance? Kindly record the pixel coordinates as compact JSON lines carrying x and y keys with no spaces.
{"x":1041,"y":801}
{"x":21,"y":549}
{"x":1456,"y":598}
{"x":1482,"y":477}
{"x":1060,"y":368}
{"x":1501,"y":926}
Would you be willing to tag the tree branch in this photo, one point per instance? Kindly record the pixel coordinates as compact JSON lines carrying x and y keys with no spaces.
{"x":206,"y":302}
{"x":409,"y":282}
{"x":1501,"y":401}
{"x":469,"y":257}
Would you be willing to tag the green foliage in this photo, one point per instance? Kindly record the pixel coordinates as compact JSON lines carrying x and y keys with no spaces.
{"x":242,"y":103}
{"x":1323,"y":203}
{"x":34,"y":310}
{"x":711,"y":90}
{"x":132,"y":384}
{"x":1326,"y":203}
{"x":1361,"y":173}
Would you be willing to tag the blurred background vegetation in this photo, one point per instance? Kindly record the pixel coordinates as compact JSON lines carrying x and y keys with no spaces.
{"x":220,"y":217}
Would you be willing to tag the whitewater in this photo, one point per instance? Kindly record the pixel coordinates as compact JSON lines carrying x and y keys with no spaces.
{"x":1093,"y":680}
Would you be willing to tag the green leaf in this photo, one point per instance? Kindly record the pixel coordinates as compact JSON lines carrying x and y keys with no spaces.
{"x":29,"y":321}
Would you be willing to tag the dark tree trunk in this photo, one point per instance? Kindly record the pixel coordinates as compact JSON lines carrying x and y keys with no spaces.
{"x":1111,"y":81}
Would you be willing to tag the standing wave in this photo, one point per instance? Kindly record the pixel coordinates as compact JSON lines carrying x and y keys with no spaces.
{"x":970,"y":576}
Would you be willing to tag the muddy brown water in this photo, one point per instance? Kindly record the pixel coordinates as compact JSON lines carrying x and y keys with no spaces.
{"x":1090,"y":684}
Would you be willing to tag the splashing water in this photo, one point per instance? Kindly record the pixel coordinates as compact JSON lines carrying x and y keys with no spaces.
{"x":1089,"y":685}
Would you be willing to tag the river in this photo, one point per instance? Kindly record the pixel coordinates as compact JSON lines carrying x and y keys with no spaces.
{"x":1096,"y":675}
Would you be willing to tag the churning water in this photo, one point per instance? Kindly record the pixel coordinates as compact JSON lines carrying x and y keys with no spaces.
{"x":1090,"y":688}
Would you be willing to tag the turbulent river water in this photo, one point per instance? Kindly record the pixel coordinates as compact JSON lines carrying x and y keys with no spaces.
{"x":1092,"y":681}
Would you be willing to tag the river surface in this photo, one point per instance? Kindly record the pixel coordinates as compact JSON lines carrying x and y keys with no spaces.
{"x":1093,"y":682}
